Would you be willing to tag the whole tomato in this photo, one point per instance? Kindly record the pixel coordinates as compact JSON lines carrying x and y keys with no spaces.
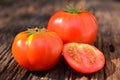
{"x":74,"y":25}
{"x":37,"y":49}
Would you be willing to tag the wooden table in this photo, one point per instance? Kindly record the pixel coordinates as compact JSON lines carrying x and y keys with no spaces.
{"x":16,"y":16}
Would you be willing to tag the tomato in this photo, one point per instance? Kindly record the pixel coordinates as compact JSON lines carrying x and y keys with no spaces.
{"x":37,"y":49}
{"x":83,"y":58}
{"x":73,"y":26}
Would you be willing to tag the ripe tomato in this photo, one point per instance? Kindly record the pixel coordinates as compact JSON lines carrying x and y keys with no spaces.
{"x":83,"y":58}
{"x":37,"y":49}
{"x":74,"y":26}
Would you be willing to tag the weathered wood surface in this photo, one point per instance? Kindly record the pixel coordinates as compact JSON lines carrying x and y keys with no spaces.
{"x":18,"y":15}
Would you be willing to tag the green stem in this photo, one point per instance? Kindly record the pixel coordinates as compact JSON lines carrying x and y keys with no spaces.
{"x":36,"y":30}
{"x":71,"y":9}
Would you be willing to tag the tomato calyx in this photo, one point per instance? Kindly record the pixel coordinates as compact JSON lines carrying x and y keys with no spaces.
{"x":36,"y":30}
{"x":71,"y":9}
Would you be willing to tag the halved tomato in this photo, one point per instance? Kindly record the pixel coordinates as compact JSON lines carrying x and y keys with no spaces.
{"x":83,"y":58}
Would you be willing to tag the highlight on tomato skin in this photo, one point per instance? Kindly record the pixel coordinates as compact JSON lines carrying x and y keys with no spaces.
{"x":83,"y":58}
{"x":37,"y":49}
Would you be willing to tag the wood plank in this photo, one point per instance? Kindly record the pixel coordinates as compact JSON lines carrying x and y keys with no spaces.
{"x":37,"y":13}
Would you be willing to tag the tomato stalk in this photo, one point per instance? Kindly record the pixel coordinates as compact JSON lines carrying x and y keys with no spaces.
{"x":36,"y":30}
{"x":71,"y":9}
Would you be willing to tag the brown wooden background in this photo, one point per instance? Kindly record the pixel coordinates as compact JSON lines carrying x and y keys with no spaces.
{"x":18,"y":15}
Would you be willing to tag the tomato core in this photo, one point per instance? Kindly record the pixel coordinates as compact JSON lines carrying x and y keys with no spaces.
{"x":74,"y":52}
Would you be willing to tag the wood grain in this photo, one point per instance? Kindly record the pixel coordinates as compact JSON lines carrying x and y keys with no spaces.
{"x":16,"y":16}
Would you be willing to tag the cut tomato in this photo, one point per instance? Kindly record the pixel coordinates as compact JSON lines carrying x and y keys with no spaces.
{"x":83,"y":58}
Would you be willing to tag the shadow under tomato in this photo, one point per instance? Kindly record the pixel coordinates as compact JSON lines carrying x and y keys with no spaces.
{"x":58,"y":72}
{"x":99,"y":75}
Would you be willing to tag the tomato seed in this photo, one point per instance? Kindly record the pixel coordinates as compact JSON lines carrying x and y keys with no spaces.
{"x":91,"y":57}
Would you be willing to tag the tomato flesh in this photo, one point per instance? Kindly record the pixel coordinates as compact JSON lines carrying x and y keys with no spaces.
{"x":83,"y":58}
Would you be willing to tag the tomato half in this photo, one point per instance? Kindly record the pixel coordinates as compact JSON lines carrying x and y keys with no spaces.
{"x":74,"y":27}
{"x":37,"y":49}
{"x":83,"y":58}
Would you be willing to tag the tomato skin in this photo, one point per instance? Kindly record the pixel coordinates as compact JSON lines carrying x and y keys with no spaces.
{"x":37,"y":52}
{"x":81,"y":27}
{"x":83,"y":58}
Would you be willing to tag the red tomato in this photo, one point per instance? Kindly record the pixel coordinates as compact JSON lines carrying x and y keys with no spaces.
{"x":83,"y":58}
{"x":74,"y":27}
{"x":37,"y":49}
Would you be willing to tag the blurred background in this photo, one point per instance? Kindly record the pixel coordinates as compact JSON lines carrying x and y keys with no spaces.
{"x":18,"y":15}
{"x":21,"y":13}
{"x":15,"y":13}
